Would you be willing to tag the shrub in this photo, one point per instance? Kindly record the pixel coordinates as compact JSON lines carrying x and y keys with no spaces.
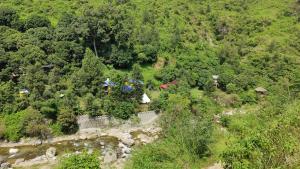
{"x":231,"y":88}
{"x":225,"y":121}
{"x":83,"y":160}
{"x":35,"y":125}
{"x":14,"y":125}
{"x":123,"y":110}
{"x":248,"y":97}
{"x":56,"y":129}
{"x":156,"y":105}
{"x":160,"y":155}
{"x":2,"y":128}
{"x":68,"y":122}
{"x":35,"y":21}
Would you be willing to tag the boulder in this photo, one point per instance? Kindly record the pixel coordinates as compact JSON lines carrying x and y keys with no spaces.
{"x":20,"y":160}
{"x":38,"y":142}
{"x":145,"y":139}
{"x":13,"y":150}
{"x":2,"y":159}
{"x":126,"y":150}
{"x":110,"y":157}
{"x":39,"y":159}
{"x":90,"y":151}
{"x":51,"y":152}
{"x":5,"y":165}
{"x":128,"y":141}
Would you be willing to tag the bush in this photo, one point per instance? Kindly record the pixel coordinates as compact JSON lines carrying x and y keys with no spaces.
{"x":160,"y":155}
{"x":156,"y":105}
{"x":225,"y":121}
{"x":231,"y":88}
{"x":14,"y":125}
{"x":68,"y":121}
{"x":84,"y":160}
{"x":35,"y":21}
{"x":123,"y":110}
{"x":2,"y":128}
{"x":35,"y":125}
{"x":56,"y":129}
{"x":248,"y":97}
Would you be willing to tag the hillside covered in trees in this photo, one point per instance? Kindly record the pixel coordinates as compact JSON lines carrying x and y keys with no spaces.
{"x":60,"y":59}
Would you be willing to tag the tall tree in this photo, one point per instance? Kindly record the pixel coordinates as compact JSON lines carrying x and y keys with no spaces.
{"x":90,"y":76}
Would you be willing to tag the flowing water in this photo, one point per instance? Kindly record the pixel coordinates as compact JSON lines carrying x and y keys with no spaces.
{"x":30,"y":152}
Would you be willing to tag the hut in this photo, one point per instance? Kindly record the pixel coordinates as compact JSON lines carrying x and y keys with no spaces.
{"x":24,"y":92}
{"x":215,"y":79}
{"x":108,"y":84}
{"x":167,"y":85}
{"x":261,"y":91}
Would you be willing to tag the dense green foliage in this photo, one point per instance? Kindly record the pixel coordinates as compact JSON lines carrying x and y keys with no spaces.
{"x":62,"y":52}
{"x":83,"y":160}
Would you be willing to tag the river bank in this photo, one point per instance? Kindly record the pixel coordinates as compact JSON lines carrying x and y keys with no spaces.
{"x":115,"y":144}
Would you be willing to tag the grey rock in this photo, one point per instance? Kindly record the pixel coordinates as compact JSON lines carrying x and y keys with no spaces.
{"x":13,"y":150}
{"x":90,"y":151}
{"x":38,"y":142}
{"x":128,"y":141}
{"x":20,"y":160}
{"x":2,"y":159}
{"x":5,"y":165}
{"x":51,"y":152}
{"x":110,"y":157}
{"x":39,"y":158}
{"x":76,"y":144}
{"x":127,"y":150}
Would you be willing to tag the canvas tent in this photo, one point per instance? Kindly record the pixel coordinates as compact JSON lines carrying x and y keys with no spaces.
{"x":145,"y":99}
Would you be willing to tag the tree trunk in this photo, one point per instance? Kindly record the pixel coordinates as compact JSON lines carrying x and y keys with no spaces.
{"x":95,"y":47}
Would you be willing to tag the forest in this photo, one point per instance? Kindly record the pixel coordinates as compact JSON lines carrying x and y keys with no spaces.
{"x":61,"y":59}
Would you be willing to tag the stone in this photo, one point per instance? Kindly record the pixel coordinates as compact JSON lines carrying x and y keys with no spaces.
{"x":102,"y":143}
{"x":121,"y":145}
{"x":51,"y":152}
{"x":76,"y":144}
{"x":126,"y":150}
{"x":20,"y":160}
{"x":39,"y":158}
{"x":128,"y":141}
{"x":90,"y":151}
{"x":13,"y":151}
{"x":1,"y":159}
{"x":144,"y":138}
{"x":5,"y":165}
{"x":110,"y":157}
{"x":38,"y":142}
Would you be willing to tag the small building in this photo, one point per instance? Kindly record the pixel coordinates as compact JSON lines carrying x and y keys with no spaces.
{"x":145,"y":99}
{"x":24,"y":92}
{"x":108,"y":84}
{"x":261,"y":91}
{"x":215,"y":79}
{"x":167,"y":85}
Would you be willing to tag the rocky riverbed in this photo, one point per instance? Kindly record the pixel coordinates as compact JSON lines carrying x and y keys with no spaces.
{"x":114,"y":143}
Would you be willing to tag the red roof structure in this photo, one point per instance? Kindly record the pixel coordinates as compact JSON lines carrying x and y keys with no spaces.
{"x":167,"y":85}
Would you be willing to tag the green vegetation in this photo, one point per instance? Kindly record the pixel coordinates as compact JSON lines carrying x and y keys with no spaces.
{"x":84,"y":160}
{"x":56,"y":56}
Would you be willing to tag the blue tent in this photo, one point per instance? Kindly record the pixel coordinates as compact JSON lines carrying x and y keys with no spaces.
{"x":127,"y":88}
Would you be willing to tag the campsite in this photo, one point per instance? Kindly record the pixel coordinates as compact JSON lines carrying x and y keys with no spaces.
{"x":149,"y":84}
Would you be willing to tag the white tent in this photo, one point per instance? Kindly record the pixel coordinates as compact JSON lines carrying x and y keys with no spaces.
{"x":145,"y":99}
